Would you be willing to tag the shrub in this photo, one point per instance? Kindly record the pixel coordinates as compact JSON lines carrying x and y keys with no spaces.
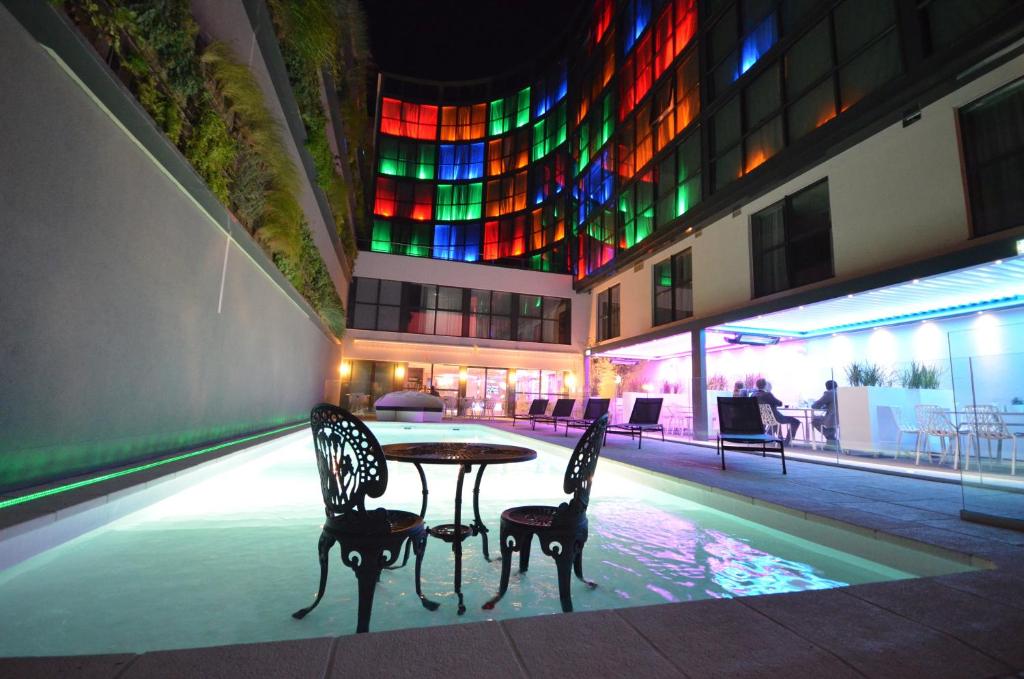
{"x":867,"y":375}
{"x":920,"y":376}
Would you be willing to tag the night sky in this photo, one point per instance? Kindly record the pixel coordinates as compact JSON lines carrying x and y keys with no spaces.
{"x":463,"y":39}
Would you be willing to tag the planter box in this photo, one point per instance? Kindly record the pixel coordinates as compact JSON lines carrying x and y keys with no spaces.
{"x":865,"y":424}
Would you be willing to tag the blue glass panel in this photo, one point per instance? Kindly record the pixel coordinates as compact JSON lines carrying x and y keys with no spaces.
{"x":759,"y":41}
{"x":460,"y":161}
{"x":471,"y":251}
{"x":444,"y":241}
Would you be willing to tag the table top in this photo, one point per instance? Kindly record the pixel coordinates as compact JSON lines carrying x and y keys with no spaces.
{"x":436,"y":452}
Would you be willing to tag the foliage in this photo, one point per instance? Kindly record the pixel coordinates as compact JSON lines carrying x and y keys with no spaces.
{"x":867,"y":375}
{"x":242,"y":101}
{"x":920,"y":376}
{"x":309,"y":275}
{"x":717,"y":383}
{"x":750,"y":380}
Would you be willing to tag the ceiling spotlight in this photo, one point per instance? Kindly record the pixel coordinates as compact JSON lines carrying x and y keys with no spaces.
{"x":916,"y":281}
{"x":999,"y":261}
{"x":754,"y":340}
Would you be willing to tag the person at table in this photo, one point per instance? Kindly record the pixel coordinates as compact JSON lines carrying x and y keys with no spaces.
{"x":826,"y":423}
{"x":434,"y":391}
{"x":738,"y":390}
{"x":764,"y":395}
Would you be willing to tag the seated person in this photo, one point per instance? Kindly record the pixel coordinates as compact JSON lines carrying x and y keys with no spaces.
{"x":826,"y":423}
{"x":738,"y":390}
{"x":763,"y":395}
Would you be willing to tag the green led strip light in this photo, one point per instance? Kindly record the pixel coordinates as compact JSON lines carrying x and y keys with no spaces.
{"x":151,"y":465}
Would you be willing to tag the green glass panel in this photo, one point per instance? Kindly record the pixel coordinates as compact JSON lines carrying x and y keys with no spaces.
{"x":425,"y":162}
{"x":474,"y":199}
{"x":538,"y":140}
{"x":560,"y":136}
{"x":499,"y":123}
{"x":608,"y":119}
{"x":380,"y":238}
{"x":584,"y":147}
{"x":687,"y":195}
{"x":523,"y":107}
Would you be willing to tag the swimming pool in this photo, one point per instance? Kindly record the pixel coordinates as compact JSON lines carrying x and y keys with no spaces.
{"x":228,"y":558}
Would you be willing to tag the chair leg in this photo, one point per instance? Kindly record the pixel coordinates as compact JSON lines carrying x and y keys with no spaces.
{"x":563,"y":562}
{"x":506,"y":569}
{"x":367,"y":576}
{"x":524,"y":553}
{"x":577,"y":565}
{"x":324,"y":551}
{"x":419,"y":546}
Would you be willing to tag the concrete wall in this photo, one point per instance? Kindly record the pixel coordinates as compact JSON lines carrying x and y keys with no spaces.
{"x":116,"y":342}
{"x":895,"y":198}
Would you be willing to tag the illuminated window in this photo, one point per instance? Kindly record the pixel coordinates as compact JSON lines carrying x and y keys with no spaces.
{"x":626,"y":149}
{"x":594,"y":187}
{"x":673,"y":288}
{"x":549,"y":133}
{"x":678,"y":180}
{"x":791,"y":241}
{"x":603,"y":11}
{"x":636,"y":204}
{"x":644,"y":147}
{"x":550,"y":91}
{"x":402,"y":158}
{"x":380,"y":236}
{"x":634,"y":19}
{"x":402,"y":119}
{"x":548,"y":178}
{"x":505,"y":238}
{"x":664,"y":42}
{"x":508,"y":153}
{"x":384,"y":203}
{"x":459,"y":242}
{"x":396,"y":198}
{"x":458,"y":201}
{"x":757,"y":42}
{"x":596,"y":242}
{"x":608,"y":314}
{"x":510,"y":112}
{"x":460,"y":161}
{"x":547,"y":226}
{"x":463,"y":123}
{"x":636,"y":77}
{"x":506,"y":195}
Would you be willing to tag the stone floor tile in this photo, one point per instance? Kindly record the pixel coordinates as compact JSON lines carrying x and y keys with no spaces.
{"x":594,"y":644}
{"x":728,"y":639}
{"x":79,"y":667}
{"x":479,"y":649}
{"x":300,"y":658}
{"x":874,"y":641}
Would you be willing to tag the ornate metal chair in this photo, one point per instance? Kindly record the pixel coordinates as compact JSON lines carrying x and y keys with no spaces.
{"x":562,"y":530}
{"x":352,"y":466}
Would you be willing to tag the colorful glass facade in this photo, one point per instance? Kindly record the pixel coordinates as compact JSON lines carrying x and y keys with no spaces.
{"x":666,"y":104}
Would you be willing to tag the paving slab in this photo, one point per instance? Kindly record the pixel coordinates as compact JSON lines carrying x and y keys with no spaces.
{"x":479,"y":649}
{"x":80,"y":667}
{"x":875,"y":641}
{"x":300,"y":658}
{"x":728,"y":639}
{"x":993,"y":628}
{"x":1001,"y":586}
{"x":592,"y":644}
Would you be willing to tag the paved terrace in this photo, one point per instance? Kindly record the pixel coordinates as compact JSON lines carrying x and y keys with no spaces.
{"x":962,"y":625}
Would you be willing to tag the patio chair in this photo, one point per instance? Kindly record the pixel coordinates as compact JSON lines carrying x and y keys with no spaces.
{"x":352,"y":466}
{"x":645,"y":415}
{"x":740,"y":423}
{"x":595,"y":408}
{"x":561,"y":412}
{"x":562,"y":530}
{"x":771,"y":425}
{"x":903,"y":428}
{"x":985,"y":423}
{"x":933,"y":420}
{"x":537,"y":408}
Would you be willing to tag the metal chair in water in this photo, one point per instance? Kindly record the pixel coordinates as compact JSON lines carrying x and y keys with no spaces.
{"x":562,"y":530}
{"x":560,"y":413}
{"x":537,"y":408}
{"x":645,"y":416}
{"x":740,"y":423}
{"x":595,"y":408}
{"x":352,"y":466}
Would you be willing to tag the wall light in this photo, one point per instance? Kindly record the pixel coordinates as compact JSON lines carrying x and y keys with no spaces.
{"x":512,"y":377}
{"x":570,"y":381}
{"x":399,"y":372}
{"x":345,"y":369}
{"x":463,"y":374}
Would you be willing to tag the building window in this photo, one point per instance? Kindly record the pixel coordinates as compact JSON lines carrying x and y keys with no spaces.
{"x":992,"y":132}
{"x":608,"y":314}
{"x":673,"y":288}
{"x":792,"y":241}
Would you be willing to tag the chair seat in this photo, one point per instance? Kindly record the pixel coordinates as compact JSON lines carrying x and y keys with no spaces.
{"x":400,"y":522}
{"x":533,"y":516}
{"x":749,"y":438}
{"x":634,"y":427}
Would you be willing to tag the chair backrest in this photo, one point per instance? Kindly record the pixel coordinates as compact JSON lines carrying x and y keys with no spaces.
{"x":349,"y":458}
{"x":646,"y":411}
{"x":563,"y":407}
{"x":538,"y":406}
{"x":923,"y":415}
{"x":768,"y":415}
{"x":596,"y":407}
{"x":579,"y":473}
{"x":986,"y":421}
{"x":739,"y":415}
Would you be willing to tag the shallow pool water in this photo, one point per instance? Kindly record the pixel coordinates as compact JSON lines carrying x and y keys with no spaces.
{"x":231,"y":557}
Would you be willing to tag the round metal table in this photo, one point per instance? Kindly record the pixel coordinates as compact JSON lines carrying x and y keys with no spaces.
{"x":465,"y":455}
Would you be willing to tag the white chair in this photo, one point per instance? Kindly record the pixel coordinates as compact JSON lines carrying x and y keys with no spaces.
{"x":771,"y":425}
{"x":904,"y":428}
{"x":933,"y":420}
{"x":985,"y":423}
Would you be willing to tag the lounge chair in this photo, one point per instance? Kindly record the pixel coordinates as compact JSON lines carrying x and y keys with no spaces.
{"x":740,"y":423}
{"x":645,"y":415}
{"x":561,"y":412}
{"x":537,"y":408}
{"x":595,"y":408}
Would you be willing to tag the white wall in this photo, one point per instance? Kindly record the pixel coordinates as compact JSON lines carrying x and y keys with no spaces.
{"x":895,"y":198}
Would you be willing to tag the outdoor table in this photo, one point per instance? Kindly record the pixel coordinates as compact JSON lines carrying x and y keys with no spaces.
{"x":465,"y":455}
{"x":806,"y":415}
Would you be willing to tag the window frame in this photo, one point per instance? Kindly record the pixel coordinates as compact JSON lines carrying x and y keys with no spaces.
{"x":674,"y":313}
{"x":609,"y":324}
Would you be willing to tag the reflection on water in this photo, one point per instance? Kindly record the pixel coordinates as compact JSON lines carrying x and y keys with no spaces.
{"x":228,"y":560}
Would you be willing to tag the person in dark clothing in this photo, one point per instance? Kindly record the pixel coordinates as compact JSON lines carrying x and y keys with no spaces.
{"x":434,"y":391}
{"x":762,"y":395}
{"x":826,"y":423}
{"x":738,"y":390}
